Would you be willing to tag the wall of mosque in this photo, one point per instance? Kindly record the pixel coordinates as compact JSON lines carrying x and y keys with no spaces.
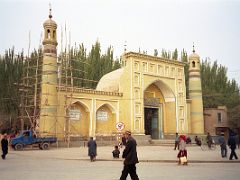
{"x":143,"y":82}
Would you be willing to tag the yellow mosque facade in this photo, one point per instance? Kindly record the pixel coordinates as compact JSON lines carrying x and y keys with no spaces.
{"x":147,"y":95}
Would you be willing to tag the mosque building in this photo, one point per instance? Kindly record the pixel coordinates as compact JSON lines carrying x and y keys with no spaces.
{"x":147,"y":96}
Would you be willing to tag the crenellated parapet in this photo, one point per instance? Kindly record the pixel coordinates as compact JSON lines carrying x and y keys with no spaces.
{"x":89,"y":91}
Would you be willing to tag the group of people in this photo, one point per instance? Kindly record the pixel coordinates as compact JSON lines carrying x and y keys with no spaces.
{"x":232,"y":143}
{"x":181,"y":141}
{"x":129,"y":154}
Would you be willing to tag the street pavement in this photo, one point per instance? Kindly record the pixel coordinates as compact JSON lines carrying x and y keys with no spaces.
{"x":156,"y":162}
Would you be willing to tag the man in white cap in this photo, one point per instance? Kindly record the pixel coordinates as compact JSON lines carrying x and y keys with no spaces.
{"x":131,"y":159}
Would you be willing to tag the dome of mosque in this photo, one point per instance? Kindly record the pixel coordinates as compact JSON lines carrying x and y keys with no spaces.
{"x":110,"y":82}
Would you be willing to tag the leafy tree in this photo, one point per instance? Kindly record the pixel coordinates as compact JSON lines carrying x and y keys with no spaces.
{"x":175,"y":54}
{"x":11,"y":70}
{"x":155,"y":52}
{"x":184,"y":58}
{"x":217,"y":89}
{"x":164,"y":54}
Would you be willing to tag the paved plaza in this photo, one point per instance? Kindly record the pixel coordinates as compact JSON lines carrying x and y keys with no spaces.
{"x":156,"y":162}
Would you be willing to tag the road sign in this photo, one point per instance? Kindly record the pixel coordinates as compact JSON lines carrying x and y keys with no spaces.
{"x":120,"y":126}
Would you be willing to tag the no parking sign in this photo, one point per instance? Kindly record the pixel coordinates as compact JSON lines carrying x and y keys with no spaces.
{"x":120,"y":126}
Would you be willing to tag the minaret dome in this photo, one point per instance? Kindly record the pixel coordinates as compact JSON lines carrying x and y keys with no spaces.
{"x":194,"y":60}
{"x":50,"y":31}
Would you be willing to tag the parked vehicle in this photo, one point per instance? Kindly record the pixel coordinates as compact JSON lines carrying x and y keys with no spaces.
{"x":28,"y":138}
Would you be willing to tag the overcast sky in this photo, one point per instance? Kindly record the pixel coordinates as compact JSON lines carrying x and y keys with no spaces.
{"x":214,"y":26}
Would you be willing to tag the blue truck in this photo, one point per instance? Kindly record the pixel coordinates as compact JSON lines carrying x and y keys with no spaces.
{"x":29,"y":138}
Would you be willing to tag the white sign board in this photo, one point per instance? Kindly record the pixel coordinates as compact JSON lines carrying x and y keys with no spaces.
{"x":120,"y":126}
{"x":74,"y":114}
{"x":102,"y":116}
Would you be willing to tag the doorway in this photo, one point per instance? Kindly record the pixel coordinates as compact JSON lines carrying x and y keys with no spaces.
{"x":151,"y":122}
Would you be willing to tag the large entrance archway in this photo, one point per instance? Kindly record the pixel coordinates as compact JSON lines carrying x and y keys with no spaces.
{"x":158,"y":101}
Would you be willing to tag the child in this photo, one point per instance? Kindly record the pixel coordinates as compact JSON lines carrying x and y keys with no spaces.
{"x":116,"y":152}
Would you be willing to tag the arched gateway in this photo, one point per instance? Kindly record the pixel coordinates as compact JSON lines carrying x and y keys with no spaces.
{"x":154,"y":94}
{"x":157,"y":97}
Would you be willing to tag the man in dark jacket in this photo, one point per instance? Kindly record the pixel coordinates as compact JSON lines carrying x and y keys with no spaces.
{"x":209,"y":140}
{"x":131,"y":159}
{"x":4,"y":144}
{"x":223,"y":145}
{"x":232,"y":146}
{"x":177,"y":140}
{"x":92,"y":149}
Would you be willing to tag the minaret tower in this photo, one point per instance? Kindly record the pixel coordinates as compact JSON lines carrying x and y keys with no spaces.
{"x":47,"y":122}
{"x":195,"y":94}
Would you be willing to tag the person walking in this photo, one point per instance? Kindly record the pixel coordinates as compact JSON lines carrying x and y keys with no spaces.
{"x":209,"y":140}
{"x":182,"y":154}
{"x":131,"y":159}
{"x":223,"y":145}
{"x":4,"y":143}
{"x":176,"y":142}
{"x":232,"y":146}
{"x":92,"y":149}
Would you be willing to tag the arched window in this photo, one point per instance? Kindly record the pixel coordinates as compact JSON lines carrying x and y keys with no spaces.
{"x":48,"y":34}
{"x":193,"y":64}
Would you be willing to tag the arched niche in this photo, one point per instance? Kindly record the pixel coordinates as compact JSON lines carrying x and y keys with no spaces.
{"x":79,"y":119}
{"x":105,"y":120}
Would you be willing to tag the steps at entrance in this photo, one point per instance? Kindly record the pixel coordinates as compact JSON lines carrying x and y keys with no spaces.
{"x":162,"y":142}
{"x":142,"y":140}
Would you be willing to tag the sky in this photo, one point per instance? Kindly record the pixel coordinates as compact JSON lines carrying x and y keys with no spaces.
{"x":213,"y":26}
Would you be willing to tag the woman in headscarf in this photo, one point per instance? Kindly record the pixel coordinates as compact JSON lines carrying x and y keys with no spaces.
{"x":182,"y":154}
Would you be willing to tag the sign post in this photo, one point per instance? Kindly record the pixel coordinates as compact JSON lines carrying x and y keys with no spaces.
{"x":119,"y":126}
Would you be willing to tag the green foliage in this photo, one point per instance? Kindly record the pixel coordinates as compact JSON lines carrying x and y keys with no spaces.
{"x":87,"y":68}
{"x":175,"y":54}
{"x":155,"y":52}
{"x":218,"y":90}
{"x":11,"y":69}
{"x":99,"y":65}
{"x":184,"y":58}
{"x":234,"y":116}
{"x":78,"y":69}
{"x":166,"y":54}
